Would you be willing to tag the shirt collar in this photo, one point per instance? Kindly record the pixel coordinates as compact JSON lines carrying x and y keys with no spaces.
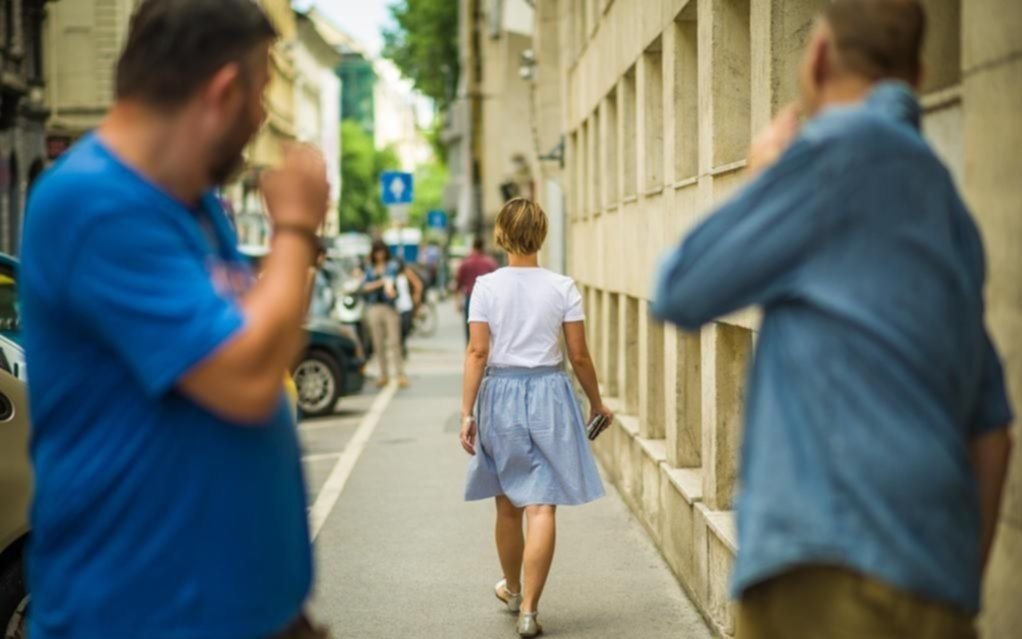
{"x":897,"y":101}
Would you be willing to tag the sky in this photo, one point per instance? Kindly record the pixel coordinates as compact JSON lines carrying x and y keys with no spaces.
{"x":363,"y":19}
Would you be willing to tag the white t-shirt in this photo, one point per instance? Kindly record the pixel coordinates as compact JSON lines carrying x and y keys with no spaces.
{"x":404,"y":302}
{"x":526,"y":309}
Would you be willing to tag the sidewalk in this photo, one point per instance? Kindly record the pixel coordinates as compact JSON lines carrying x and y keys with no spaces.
{"x":402,"y":555}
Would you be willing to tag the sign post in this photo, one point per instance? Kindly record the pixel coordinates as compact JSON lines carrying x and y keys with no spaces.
{"x":397,"y":190}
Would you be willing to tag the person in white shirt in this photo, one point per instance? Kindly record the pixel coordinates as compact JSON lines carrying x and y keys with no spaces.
{"x":521,"y":421}
{"x":409,"y":295}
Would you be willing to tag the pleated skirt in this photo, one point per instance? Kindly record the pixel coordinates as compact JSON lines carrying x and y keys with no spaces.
{"x":531,"y":444}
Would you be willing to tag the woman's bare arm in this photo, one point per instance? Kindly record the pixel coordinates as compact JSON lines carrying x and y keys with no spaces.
{"x":476,"y":356}
{"x":582,"y":363}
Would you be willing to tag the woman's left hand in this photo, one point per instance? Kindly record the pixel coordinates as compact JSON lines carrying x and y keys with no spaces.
{"x":468,"y":435}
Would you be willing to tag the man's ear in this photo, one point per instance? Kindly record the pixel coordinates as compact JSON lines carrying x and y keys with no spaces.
{"x":917,"y":83}
{"x":822,"y":60}
{"x":222,"y":88}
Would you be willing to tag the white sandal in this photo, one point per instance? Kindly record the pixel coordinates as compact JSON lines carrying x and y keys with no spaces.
{"x":528,"y":626}
{"x":511,"y":599}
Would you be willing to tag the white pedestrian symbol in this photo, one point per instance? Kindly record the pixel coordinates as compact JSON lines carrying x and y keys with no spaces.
{"x":397,"y":188}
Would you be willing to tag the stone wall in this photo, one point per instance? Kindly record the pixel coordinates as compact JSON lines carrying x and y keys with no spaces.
{"x":660,"y":100}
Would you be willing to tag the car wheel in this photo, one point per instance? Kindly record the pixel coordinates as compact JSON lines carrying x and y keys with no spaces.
{"x":13,"y":602}
{"x":319,"y":383}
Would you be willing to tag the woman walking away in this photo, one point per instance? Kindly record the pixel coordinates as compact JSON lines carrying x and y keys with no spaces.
{"x":384,"y":322}
{"x":527,"y":437}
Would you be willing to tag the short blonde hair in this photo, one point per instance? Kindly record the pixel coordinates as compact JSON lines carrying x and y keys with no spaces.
{"x":521,"y":227}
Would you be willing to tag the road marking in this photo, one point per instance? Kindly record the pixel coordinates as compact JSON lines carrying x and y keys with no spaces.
{"x":334,"y":485}
{"x":321,"y":457}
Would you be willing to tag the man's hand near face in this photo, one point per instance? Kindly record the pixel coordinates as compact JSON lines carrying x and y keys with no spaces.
{"x":771,"y":143}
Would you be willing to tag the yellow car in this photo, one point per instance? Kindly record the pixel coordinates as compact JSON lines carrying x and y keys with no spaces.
{"x":15,"y":495}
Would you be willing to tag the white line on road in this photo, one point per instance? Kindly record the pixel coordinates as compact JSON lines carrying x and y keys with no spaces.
{"x":334,"y":485}
{"x":320,"y":457}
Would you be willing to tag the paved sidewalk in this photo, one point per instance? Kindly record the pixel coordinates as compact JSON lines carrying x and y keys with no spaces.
{"x":402,"y":555}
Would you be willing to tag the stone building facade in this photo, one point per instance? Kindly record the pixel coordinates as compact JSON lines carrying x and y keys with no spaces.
{"x":489,"y":134}
{"x":22,"y":112}
{"x":658,"y":102}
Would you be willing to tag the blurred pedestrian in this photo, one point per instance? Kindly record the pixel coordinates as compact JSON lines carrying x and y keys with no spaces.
{"x":169,"y":498}
{"x":876,"y":436}
{"x":381,"y":294}
{"x":532,"y":453}
{"x":409,"y":297}
{"x":477,"y":264}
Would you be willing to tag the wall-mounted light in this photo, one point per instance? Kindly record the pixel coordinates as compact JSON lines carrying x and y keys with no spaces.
{"x":527,"y":65}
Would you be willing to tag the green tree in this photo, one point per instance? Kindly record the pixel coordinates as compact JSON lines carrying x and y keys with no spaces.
{"x":430,"y":182}
{"x":424,"y":46}
{"x":361,"y":165}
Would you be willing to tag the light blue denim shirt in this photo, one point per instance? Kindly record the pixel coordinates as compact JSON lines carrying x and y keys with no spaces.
{"x":873,"y":367}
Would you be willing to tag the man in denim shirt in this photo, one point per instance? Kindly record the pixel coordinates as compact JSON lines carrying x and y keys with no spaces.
{"x":876,"y":439}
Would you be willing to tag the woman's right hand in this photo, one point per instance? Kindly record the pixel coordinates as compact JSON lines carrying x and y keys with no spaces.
{"x":601,"y":409}
{"x":468,"y":435}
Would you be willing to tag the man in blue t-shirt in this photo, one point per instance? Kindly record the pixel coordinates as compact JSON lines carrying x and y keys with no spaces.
{"x":170,"y":501}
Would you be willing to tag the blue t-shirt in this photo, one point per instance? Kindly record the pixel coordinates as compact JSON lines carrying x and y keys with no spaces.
{"x":153,"y":518}
{"x":873,"y":369}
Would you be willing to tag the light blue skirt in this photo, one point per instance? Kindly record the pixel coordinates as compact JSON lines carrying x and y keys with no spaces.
{"x":531,"y":444}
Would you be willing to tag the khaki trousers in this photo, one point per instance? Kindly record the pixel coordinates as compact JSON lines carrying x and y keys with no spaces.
{"x":385,"y":328}
{"x":819,"y":602}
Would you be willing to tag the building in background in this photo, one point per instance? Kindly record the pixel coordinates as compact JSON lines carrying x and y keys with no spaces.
{"x":397,"y":121}
{"x":84,"y":38}
{"x":359,"y":79}
{"x":376,"y":97}
{"x":267,"y":149}
{"x":491,"y":142}
{"x":318,"y":105}
{"x":659,"y":99}
{"x":22,"y":112}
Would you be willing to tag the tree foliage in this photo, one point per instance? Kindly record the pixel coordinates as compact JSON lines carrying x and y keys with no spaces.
{"x":430,"y":182}
{"x":424,"y":46}
{"x":361,"y":166}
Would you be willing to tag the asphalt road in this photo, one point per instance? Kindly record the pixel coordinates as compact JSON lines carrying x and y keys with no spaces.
{"x":399,"y":553}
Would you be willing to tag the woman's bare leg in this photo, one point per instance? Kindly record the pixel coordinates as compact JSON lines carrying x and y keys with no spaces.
{"x":539,"y":552}
{"x":510,"y":542}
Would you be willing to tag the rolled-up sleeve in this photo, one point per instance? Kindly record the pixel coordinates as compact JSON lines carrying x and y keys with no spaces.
{"x":993,"y":407}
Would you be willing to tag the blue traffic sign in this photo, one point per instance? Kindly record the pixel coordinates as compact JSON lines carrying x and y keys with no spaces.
{"x":436,"y":220}
{"x":397,"y":188}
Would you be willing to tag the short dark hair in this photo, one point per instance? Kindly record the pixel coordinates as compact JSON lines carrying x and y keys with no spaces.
{"x":379,"y":246}
{"x":879,"y":39}
{"x":479,"y":243}
{"x":174,"y":46}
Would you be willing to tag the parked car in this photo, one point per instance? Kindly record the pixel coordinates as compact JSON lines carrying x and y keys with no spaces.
{"x":333,"y":365}
{"x":15,"y":496}
{"x":10,"y":315}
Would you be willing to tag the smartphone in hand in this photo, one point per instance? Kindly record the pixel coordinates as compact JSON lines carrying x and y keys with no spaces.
{"x":597,"y":426}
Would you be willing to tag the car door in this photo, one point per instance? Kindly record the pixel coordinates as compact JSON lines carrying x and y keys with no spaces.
{"x":15,"y":470}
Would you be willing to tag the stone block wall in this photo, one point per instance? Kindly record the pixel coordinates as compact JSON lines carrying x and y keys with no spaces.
{"x":661,"y":98}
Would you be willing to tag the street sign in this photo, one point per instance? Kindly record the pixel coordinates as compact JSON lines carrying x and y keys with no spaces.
{"x":397,"y":188}
{"x":398,"y":213}
{"x":436,"y":220}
